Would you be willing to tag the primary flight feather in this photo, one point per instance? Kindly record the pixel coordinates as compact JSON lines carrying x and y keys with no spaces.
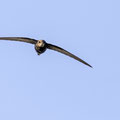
{"x":41,"y":46}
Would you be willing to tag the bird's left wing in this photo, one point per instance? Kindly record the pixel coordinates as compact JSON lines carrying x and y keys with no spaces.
{"x":21,"y":39}
{"x":61,"y":50}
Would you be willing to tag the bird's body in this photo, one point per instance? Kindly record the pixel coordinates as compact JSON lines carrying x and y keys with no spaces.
{"x":42,"y":45}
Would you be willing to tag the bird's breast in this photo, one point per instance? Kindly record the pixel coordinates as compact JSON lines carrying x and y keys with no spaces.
{"x":40,"y":50}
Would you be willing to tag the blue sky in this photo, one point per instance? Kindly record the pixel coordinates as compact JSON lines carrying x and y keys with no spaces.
{"x":53,"y":86}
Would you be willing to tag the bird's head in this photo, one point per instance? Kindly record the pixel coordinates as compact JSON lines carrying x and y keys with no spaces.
{"x":40,"y":46}
{"x":40,"y":43}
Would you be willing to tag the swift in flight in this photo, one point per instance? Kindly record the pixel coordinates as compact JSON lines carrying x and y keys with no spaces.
{"x":42,"y":45}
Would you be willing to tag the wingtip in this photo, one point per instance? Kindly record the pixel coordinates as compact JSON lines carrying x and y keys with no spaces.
{"x":90,"y":66}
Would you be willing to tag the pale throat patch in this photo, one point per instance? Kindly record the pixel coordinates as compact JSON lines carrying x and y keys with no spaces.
{"x":40,"y":43}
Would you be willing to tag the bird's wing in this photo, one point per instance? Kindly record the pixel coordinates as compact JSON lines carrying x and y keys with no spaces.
{"x":21,"y":39}
{"x":56,"y":48}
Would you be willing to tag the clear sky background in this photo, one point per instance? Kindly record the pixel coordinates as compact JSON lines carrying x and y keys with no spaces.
{"x":53,"y":86}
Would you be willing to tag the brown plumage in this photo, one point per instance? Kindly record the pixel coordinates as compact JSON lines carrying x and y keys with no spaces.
{"x":41,"y":46}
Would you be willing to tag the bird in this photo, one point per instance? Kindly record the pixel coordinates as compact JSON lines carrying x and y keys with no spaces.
{"x":41,"y":46}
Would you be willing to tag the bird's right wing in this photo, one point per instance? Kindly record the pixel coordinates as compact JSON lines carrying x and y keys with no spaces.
{"x":21,"y":39}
